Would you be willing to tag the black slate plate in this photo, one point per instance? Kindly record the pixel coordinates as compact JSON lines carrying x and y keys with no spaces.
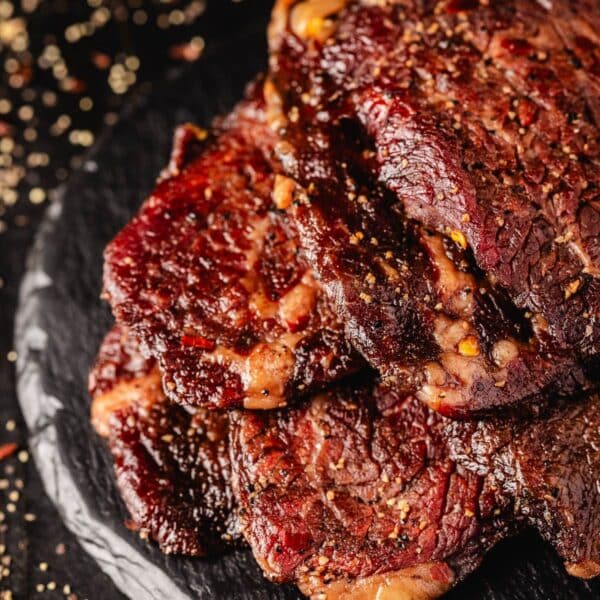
{"x":61,"y":322}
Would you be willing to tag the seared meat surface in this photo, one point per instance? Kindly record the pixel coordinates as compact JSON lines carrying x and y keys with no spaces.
{"x":405,"y":229}
{"x":359,"y":491}
{"x":355,"y":484}
{"x":207,"y":277}
{"x":171,"y":464}
{"x":478,"y":122}
{"x":360,"y":483}
{"x":119,"y":360}
{"x":550,"y":466}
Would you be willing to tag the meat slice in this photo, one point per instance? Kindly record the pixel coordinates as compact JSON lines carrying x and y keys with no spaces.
{"x":363,"y":493}
{"x":207,"y":277}
{"x":354,"y":494}
{"x":358,"y":493}
{"x":415,"y":307}
{"x":551,"y":467}
{"x":171,"y":464}
{"x":479,"y":123}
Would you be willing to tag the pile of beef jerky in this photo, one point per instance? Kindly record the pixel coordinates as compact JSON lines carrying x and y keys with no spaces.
{"x":358,"y":321}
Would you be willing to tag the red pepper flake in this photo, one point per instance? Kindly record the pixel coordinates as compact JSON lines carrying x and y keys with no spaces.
{"x":197,"y":341}
{"x":6,"y":129}
{"x":72,"y":85}
{"x":527,"y":111}
{"x":7,"y":450}
{"x":24,"y":74}
{"x":101,"y":61}
{"x":298,"y":324}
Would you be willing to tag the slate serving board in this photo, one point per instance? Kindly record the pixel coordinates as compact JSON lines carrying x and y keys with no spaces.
{"x":61,"y":322}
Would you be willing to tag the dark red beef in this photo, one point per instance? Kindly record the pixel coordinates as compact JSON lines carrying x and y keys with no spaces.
{"x":356,"y":489}
{"x":466,"y":133}
{"x":171,"y":464}
{"x":550,"y":466}
{"x":119,"y":360}
{"x":172,"y":471}
{"x":414,"y":306}
{"x":207,"y":277}
{"x":359,"y":490}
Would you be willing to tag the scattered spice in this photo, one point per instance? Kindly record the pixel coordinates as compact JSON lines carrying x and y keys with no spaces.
{"x":572,"y":288}
{"x":468,"y":346}
{"x":458,"y":238}
{"x":7,"y":450}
